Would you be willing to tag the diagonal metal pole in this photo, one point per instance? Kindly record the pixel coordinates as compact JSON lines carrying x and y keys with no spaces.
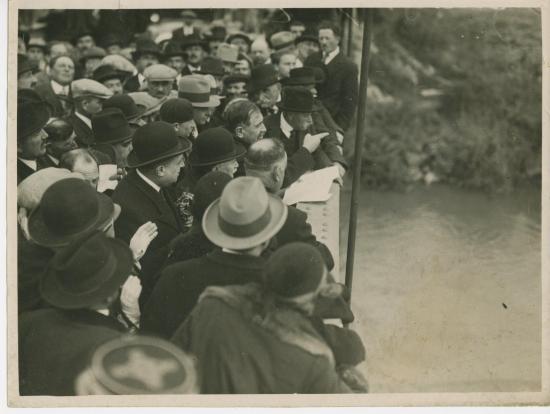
{"x":359,"y":140}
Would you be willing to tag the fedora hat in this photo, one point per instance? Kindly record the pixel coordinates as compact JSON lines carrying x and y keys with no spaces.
{"x":154,"y":142}
{"x":107,"y":72}
{"x":213,"y":146}
{"x":297,"y":99}
{"x":33,"y":113}
{"x":300,"y":77}
{"x":111,"y":127}
{"x":245,"y":216}
{"x":263,"y":76}
{"x":126,"y":104}
{"x":86,"y":272}
{"x":172,"y":48}
{"x":196,"y":89}
{"x":146,"y":46}
{"x":68,"y":209}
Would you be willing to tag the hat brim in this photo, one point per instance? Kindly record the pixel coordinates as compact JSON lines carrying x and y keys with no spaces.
{"x":42,"y":236}
{"x":127,"y":136}
{"x":134,"y":161}
{"x":213,"y":102}
{"x":239,"y":152}
{"x":316,"y":108}
{"x":255,"y":88}
{"x":135,"y":116}
{"x":215,"y":234}
{"x":43,"y":116}
{"x":53,"y":291}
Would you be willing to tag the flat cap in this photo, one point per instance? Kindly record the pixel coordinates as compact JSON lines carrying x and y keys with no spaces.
{"x":176,"y":110}
{"x":280,"y":40}
{"x":87,"y":87}
{"x":94,"y":52}
{"x":160,"y":72}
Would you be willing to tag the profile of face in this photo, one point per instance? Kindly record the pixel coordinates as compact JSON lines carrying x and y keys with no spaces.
{"x":91,"y":105}
{"x":278,"y":174}
{"x":185,"y":129}
{"x":227,"y":167}
{"x":213,"y":46}
{"x":300,"y":121}
{"x":306,"y":48}
{"x":286,"y":63}
{"x":242,"y":68}
{"x":235,"y":89}
{"x":202,"y":116}
{"x":114,"y":85}
{"x":122,"y":150}
{"x":175,"y":62}
{"x":113,"y":49}
{"x":195,"y":55}
{"x":253,"y":130}
{"x":297,"y":29}
{"x":269,"y":96}
{"x":168,"y":172}
{"x":59,"y":147}
{"x":241,"y":44}
{"x":145,"y":60}
{"x":62,"y":70}
{"x":328,"y":40}
{"x":159,"y":89}
{"x":85,"y":43}
{"x":33,"y":146}
{"x":35,"y":54}
{"x":58,"y":49}
{"x":26,"y":80}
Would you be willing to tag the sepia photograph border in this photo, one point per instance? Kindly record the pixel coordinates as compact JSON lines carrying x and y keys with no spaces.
{"x":332,"y":400}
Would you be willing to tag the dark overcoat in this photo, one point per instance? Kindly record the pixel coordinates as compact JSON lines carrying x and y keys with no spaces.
{"x":84,"y":134}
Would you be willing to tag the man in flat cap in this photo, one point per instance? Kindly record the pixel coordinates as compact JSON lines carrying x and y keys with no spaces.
{"x":160,"y":79}
{"x":88,"y":96}
{"x":90,"y":60}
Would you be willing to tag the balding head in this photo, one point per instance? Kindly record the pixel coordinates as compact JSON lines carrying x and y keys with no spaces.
{"x":81,"y":161}
{"x":267,"y":160}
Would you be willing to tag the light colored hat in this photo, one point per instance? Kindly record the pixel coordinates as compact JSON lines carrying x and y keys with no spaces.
{"x":280,"y":40}
{"x":144,"y":100}
{"x":228,"y":53}
{"x":87,"y":87}
{"x":245,"y":216}
{"x":32,"y":188}
{"x":196,"y":89}
{"x":120,"y":63}
{"x":160,"y":72}
{"x":163,"y":37}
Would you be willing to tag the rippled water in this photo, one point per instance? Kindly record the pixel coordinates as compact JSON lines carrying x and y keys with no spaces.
{"x":447,"y":290}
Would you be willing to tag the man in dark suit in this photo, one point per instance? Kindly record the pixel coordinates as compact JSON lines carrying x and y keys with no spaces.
{"x":188,"y":28}
{"x":340,"y":91}
{"x":157,"y":157}
{"x":147,"y":53}
{"x":242,"y":223}
{"x":55,"y":343}
{"x":55,"y":87}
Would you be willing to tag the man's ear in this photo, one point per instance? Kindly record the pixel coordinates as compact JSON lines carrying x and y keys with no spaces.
{"x":239,"y":131}
{"x":160,"y":170}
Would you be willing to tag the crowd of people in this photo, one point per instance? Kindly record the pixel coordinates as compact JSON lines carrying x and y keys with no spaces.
{"x":155,"y":253}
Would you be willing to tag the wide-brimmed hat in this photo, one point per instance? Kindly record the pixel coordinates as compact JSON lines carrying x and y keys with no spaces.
{"x":211,"y":65}
{"x":214,"y":146}
{"x":196,"y":89}
{"x":126,"y":104}
{"x":146,"y":46}
{"x":150,"y":103}
{"x":263,"y":76}
{"x":238,"y":35}
{"x":33,"y":113}
{"x":297,"y":99}
{"x":106,"y":72}
{"x":176,"y":110}
{"x":245,"y":216}
{"x":193,"y":40}
{"x":110,"y":126}
{"x":88,"y":271}
{"x":68,"y":209}
{"x":154,"y":142}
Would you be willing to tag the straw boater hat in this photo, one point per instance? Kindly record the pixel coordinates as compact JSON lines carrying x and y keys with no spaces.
{"x":245,"y":216}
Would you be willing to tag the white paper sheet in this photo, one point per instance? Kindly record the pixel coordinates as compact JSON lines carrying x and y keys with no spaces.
{"x":311,"y":187}
{"x":105,"y":172}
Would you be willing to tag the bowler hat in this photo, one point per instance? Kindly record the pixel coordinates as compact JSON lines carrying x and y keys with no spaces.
{"x":196,"y":89}
{"x":154,"y":142}
{"x":24,"y":64}
{"x":172,"y":48}
{"x":213,"y":146}
{"x":146,"y":46}
{"x":192,"y":40}
{"x":32,"y":113}
{"x":294,"y":270}
{"x":68,"y":209}
{"x":300,"y":77}
{"x":238,"y":35}
{"x":297,"y":99}
{"x":245,"y":215}
{"x":110,"y":126}
{"x":176,"y":110}
{"x":263,"y":76}
{"x":107,"y":72}
{"x":126,"y":104}
{"x":211,"y":65}
{"x":86,"y":272}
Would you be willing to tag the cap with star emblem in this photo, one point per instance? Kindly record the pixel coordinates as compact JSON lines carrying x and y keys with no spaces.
{"x":138,"y":365}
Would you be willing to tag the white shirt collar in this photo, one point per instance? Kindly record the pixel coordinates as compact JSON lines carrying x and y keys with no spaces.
{"x":188,"y":30}
{"x":84,"y":118}
{"x":285,"y":127}
{"x":148,"y":181}
{"x":193,"y":68}
{"x":332,"y":55}
{"x":141,"y":79}
{"x":59,"y":89}
{"x":30,"y":163}
{"x":54,"y":160}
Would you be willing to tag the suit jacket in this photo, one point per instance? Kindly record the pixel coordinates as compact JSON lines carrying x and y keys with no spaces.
{"x":84,"y":134}
{"x":340,"y":91}
{"x":181,"y":284}
{"x":32,"y":259}
{"x":141,"y":203}
{"x":44,"y":89}
{"x":56,"y":345}
{"x":23,"y":170}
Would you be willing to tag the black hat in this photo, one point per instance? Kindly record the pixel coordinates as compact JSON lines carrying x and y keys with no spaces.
{"x":80,"y":34}
{"x":176,"y":110}
{"x":297,"y":99}
{"x":238,"y":35}
{"x":300,"y":77}
{"x":193,"y":40}
{"x":146,"y":46}
{"x":211,"y":65}
{"x":208,"y":188}
{"x":230,"y":79}
{"x":263,"y":76}
{"x":154,"y":142}
{"x":69,"y":209}
{"x":32,"y":113}
{"x":110,"y":126}
{"x":24,"y":64}
{"x":111,"y":39}
{"x":172,"y":48}
{"x":307,"y":36}
{"x":86,"y":272}
{"x":213,"y":146}
{"x":217,"y":33}
{"x":106,"y":72}
{"x":126,"y":104}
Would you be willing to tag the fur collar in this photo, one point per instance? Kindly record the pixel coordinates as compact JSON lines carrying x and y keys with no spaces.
{"x":287,"y":324}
